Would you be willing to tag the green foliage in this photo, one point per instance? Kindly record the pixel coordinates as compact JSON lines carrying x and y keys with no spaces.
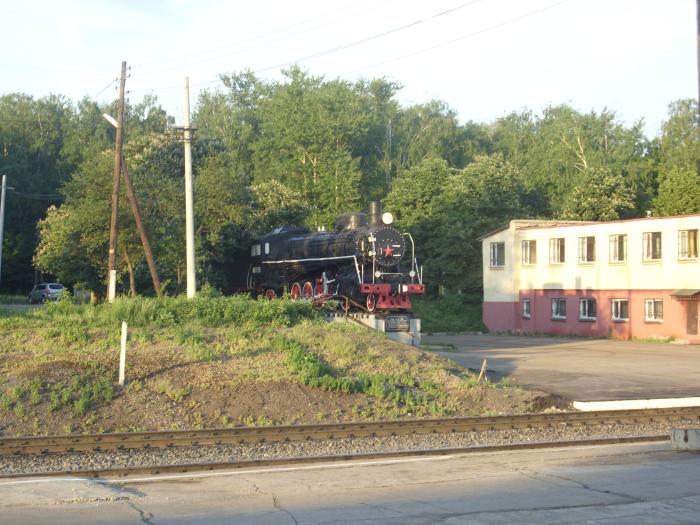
{"x":450,"y":313}
{"x":599,"y":196}
{"x":303,"y":149}
{"x":679,"y":192}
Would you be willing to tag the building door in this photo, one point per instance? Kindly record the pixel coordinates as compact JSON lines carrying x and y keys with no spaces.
{"x":692,"y":318}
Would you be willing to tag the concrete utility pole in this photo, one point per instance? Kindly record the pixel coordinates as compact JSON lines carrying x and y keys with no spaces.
{"x":189,"y":201}
{"x":139,"y":226}
{"x":2,"y":217}
{"x":113,"y":227}
{"x":697,"y":8}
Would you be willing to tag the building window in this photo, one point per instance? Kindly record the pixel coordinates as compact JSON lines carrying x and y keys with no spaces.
{"x":527,"y":312}
{"x":652,"y":246}
{"x":529,"y":249}
{"x":498,"y":254}
{"x":687,"y":244}
{"x":620,"y":310}
{"x":557,"y":252}
{"x":618,"y":248}
{"x":559,"y":309}
{"x":586,"y":249}
{"x":587,"y":309}
{"x":653,"y":310}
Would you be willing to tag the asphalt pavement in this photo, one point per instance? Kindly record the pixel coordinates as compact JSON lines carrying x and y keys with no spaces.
{"x":581,"y":369}
{"x":618,"y":484}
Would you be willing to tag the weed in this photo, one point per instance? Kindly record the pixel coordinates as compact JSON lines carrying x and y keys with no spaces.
{"x":164,"y":386}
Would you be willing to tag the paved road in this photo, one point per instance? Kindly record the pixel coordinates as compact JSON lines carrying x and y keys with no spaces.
{"x":582,"y":369}
{"x":622,"y":484}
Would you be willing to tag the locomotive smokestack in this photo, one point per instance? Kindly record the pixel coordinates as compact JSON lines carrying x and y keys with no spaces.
{"x":375,"y":213}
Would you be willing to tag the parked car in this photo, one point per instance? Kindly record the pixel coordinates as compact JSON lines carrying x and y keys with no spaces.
{"x":46,"y":292}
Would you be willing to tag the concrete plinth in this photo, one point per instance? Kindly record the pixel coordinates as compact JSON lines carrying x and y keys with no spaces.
{"x":412,"y":336}
{"x":685,"y":439}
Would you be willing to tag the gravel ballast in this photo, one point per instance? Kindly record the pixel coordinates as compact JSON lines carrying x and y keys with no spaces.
{"x":67,"y":462}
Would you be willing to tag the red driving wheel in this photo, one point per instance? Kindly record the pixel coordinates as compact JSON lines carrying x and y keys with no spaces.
{"x":308,"y":291}
{"x":270,"y":294}
{"x":371,"y":302}
{"x":295,"y":292}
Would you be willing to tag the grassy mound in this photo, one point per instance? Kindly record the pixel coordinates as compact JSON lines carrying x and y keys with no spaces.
{"x":216,"y":362}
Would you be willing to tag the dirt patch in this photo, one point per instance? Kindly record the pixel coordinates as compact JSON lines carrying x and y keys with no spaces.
{"x":226,"y":377}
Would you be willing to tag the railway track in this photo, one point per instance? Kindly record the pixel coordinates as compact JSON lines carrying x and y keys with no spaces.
{"x":113,"y":472}
{"x":231,"y":436}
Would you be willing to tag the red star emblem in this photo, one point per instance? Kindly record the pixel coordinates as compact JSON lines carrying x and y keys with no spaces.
{"x":388,"y":251}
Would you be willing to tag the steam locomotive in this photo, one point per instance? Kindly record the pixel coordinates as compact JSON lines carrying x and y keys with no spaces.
{"x":361,"y":264}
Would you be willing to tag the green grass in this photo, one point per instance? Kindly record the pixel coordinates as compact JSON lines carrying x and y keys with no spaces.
{"x":13,"y":299}
{"x":450,"y":313}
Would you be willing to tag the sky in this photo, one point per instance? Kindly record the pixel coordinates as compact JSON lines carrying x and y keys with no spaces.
{"x":483,"y":58}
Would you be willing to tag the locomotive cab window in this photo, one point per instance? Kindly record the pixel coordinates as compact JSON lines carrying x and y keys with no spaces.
{"x":255,"y":250}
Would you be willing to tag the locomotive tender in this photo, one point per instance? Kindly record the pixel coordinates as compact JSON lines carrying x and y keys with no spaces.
{"x":359,"y":263}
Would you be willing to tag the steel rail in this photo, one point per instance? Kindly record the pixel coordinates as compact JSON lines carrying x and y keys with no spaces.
{"x":222,"y":436}
{"x":116,"y":472}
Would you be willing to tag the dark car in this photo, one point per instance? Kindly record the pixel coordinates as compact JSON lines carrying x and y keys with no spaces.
{"x":46,"y":292}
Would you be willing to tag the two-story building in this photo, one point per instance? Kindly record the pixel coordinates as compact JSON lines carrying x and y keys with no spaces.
{"x":637,"y":278}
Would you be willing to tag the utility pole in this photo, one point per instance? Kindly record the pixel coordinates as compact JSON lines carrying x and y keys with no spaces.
{"x":697,"y":9}
{"x":189,"y":201}
{"x":139,"y":226}
{"x":2,"y":216}
{"x":113,"y":227}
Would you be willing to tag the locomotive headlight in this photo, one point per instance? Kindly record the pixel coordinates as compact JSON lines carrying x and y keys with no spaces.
{"x":387,"y":218}
{"x":377,"y":274}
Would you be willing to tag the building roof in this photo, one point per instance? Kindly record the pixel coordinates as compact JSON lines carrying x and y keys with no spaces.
{"x":542,"y":224}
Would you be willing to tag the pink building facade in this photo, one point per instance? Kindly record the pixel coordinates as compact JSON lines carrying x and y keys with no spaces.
{"x":628,"y":279}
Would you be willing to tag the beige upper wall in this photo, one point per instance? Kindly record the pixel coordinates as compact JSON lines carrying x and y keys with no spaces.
{"x":504,"y":284}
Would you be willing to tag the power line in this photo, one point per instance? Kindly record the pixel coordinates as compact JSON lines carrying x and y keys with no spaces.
{"x":463,"y":37}
{"x":372,"y":37}
{"x":36,"y":196}
{"x":277,"y":38}
{"x":337,"y":48}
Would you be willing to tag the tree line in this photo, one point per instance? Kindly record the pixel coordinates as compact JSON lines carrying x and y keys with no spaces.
{"x":304,"y":149}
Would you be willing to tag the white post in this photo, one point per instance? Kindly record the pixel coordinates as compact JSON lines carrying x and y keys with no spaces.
{"x":122,"y":355}
{"x":2,"y":215}
{"x":189,"y":201}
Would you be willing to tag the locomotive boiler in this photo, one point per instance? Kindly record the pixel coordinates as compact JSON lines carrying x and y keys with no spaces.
{"x":365,"y":262}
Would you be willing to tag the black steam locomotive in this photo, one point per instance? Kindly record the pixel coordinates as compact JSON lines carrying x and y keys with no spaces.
{"x":360,"y":263}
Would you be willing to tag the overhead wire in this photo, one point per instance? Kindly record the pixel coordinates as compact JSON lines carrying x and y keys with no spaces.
{"x":336,"y":49}
{"x":463,"y":37}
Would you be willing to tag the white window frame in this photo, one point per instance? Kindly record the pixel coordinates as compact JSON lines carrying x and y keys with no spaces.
{"x":557,"y":250}
{"x":586,"y":249}
{"x":529,"y":252}
{"x":687,"y":245}
{"x":584,"y":309}
{"x":654,"y":310}
{"x":494,"y":253}
{"x":648,"y":246}
{"x":615,"y":255}
{"x":615,"y":309}
{"x":527,"y":309}
{"x":556,"y":311}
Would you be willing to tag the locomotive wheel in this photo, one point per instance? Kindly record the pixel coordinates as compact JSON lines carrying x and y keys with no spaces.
{"x":308,"y":291}
{"x":371,"y":302}
{"x":270,"y":294}
{"x":295,"y":292}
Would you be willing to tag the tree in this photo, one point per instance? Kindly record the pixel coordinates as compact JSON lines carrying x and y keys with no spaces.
{"x":679,"y":192}
{"x":600,"y":196}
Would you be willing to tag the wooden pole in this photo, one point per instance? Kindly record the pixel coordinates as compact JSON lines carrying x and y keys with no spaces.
{"x":113,"y":226}
{"x":122,"y":355}
{"x":139,"y":226}
{"x":482,"y":374}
